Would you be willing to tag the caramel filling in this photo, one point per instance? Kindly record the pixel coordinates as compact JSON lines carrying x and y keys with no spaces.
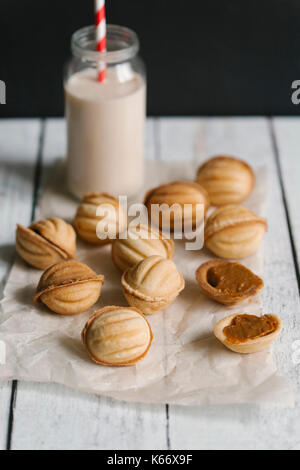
{"x":246,"y":327}
{"x":232,"y":278}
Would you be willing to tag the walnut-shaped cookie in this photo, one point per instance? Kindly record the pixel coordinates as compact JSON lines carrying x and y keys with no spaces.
{"x":234,"y":232}
{"x":69,"y":288}
{"x":227,"y":282}
{"x":245,"y":334}
{"x":152,"y":285}
{"x":177,"y":206}
{"x":138,"y":243}
{"x":46,"y":242}
{"x":117,"y":336}
{"x":99,"y":218}
{"x":227,"y":180}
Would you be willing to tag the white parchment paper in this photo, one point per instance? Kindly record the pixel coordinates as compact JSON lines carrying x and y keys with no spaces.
{"x":186,"y":365}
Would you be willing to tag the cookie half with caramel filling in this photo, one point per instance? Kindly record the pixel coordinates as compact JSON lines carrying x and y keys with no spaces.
{"x":227,"y":282}
{"x":247,"y":334}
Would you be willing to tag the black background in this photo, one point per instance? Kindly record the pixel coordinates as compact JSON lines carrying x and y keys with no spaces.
{"x":208,"y":57}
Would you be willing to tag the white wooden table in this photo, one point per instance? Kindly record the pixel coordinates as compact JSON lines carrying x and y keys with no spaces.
{"x":48,"y":416}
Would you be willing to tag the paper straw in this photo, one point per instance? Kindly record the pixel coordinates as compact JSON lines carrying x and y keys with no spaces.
{"x":100,"y":35}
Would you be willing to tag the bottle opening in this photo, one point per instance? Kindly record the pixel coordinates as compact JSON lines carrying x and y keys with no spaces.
{"x":122,"y":44}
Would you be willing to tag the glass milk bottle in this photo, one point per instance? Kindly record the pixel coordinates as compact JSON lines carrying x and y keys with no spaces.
{"x":105,"y":121}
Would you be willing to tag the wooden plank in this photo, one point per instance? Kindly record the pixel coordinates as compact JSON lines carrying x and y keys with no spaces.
{"x":5,"y":391}
{"x":243,"y":426}
{"x":52,"y":417}
{"x":49,"y":416}
{"x":287,"y":132}
{"x":180,"y":139}
{"x":18,"y":150}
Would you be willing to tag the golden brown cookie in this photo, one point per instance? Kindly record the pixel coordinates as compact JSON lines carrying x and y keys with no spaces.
{"x":117,"y":336}
{"x":152,"y":285}
{"x":182,"y":205}
{"x":46,"y":242}
{"x":69,"y":288}
{"x":135,"y":245}
{"x":234,"y":232}
{"x":227,"y":180}
{"x":99,"y":228}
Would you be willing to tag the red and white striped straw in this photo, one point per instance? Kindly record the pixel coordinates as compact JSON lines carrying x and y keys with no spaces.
{"x":100,"y":35}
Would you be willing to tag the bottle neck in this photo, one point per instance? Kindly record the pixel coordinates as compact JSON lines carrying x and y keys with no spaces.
{"x":122,"y":45}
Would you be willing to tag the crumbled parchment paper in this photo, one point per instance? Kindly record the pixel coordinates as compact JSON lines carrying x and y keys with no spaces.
{"x":185,"y":365}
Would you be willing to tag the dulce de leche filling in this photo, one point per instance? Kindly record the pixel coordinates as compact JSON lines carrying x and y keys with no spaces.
{"x":232,"y":278}
{"x":245,"y":327}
